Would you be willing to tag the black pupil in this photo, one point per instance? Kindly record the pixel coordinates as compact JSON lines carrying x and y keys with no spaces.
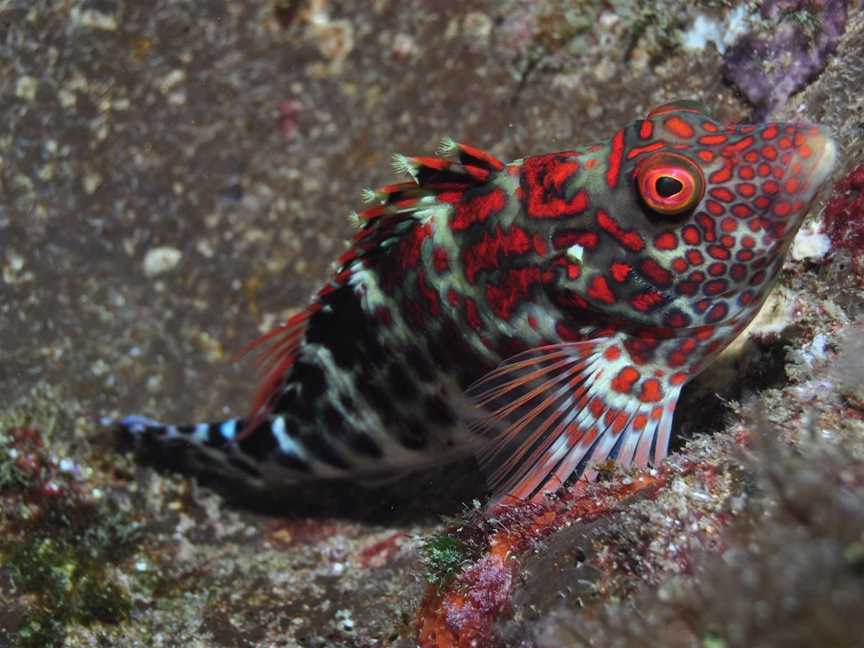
{"x":668,"y":186}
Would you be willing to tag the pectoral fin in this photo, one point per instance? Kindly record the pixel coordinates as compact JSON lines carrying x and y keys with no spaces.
{"x":559,"y":410}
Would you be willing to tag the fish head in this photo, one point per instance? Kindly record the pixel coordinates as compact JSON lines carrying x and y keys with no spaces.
{"x":690,"y":218}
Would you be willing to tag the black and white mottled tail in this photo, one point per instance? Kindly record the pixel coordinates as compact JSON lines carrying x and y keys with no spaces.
{"x":225,"y":447}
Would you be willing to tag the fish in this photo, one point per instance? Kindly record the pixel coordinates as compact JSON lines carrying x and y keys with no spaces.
{"x":542,"y":315}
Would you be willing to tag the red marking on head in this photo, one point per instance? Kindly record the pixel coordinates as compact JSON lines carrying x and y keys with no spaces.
{"x":718,"y":252}
{"x":666,"y":241}
{"x":646,"y":128}
{"x":648,"y":148}
{"x":590,"y":163}
{"x":652,"y":391}
{"x":627,"y":238}
{"x":691,"y":235}
{"x":782,"y":208}
{"x":626,"y":378}
{"x":486,"y":254}
{"x":574,"y":271}
{"x":714,"y":208}
{"x":676,"y":319}
{"x":619,"y":271}
{"x":745,"y":189}
{"x":544,"y":179}
{"x":711,"y":140}
{"x":715,"y":287}
{"x":769,"y":152}
{"x":515,"y":287}
{"x":565,"y":238}
{"x":477,"y":209}
{"x":647,"y":301}
{"x":710,"y":127}
{"x":746,"y":172}
{"x":741,"y":211}
{"x":770,"y":132}
{"x":740,"y":145}
{"x":707,"y":225}
{"x":724,"y":174}
{"x":705,"y":156}
{"x":656,"y":273}
{"x":599,"y":290}
{"x":728,"y":224}
{"x":717,"y":312}
{"x":615,"y":155}
{"x":722,"y":193}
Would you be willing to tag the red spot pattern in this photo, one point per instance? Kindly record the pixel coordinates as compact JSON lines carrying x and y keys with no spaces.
{"x":647,"y":301}
{"x":599,"y":290}
{"x":486,"y":254}
{"x":474,"y":208}
{"x":627,"y":238}
{"x":678,"y":127}
{"x":624,"y":381}
{"x":651,"y":392}
{"x":565,"y":238}
{"x":411,"y":246}
{"x":471,"y":314}
{"x":515,"y":287}
{"x":439,"y":259}
{"x":619,"y":271}
{"x":657,"y":274}
{"x":544,"y":181}
{"x":430,"y":296}
{"x":615,"y":155}
{"x":666,"y":241}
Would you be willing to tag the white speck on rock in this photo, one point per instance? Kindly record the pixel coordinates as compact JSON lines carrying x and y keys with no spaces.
{"x":723,"y":33}
{"x":159,"y":260}
{"x":810,"y":243}
{"x":93,"y":19}
{"x":25,"y":88}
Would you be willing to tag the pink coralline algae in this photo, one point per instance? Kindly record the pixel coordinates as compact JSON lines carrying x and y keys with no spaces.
{"x":844,"y":214}
{"x":788,"y":51}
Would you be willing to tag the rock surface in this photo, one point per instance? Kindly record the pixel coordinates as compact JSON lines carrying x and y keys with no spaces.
{"x":237,"y":136}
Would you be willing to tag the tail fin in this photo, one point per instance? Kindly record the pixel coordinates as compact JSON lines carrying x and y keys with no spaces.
{"x":199,"y":447}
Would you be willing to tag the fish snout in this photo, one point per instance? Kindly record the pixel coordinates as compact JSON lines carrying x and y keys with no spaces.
{"x":810,"y":161}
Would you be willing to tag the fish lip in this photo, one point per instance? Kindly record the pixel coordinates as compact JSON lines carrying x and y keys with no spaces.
{"x":815,"y":179}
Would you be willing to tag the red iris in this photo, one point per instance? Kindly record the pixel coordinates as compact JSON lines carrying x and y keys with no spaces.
{"x":670,"y":183}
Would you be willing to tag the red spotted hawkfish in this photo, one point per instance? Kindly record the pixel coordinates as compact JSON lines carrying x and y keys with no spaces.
{"x":543,"y":314}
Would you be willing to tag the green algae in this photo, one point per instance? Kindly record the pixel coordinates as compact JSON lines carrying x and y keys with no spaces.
{"x":59,"y":542}
{"x":443,"y":555}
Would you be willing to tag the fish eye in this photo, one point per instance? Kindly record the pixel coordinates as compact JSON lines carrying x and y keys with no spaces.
{"x":670,"y":183}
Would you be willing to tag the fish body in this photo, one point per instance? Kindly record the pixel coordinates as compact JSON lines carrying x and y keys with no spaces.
{"x":544,"y":314}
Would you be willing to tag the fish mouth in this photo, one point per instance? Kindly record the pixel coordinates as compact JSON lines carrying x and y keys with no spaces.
{"x":814,"y":158}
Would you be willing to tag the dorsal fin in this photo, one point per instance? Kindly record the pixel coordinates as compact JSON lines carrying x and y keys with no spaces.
{"x":278,"y":349}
